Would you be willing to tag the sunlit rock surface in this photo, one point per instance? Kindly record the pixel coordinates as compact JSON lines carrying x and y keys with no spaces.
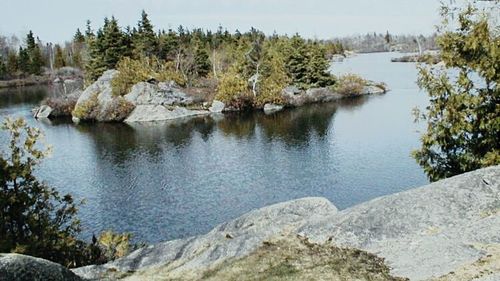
{"x":424,"y":233}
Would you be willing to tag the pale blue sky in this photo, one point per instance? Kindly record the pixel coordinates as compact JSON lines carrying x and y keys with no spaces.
{"x":57,"y":20}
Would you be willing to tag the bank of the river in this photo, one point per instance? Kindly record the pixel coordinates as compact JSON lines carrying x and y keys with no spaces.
{"x":24,"y":82}
{"x":447,"y":230}
{"x":424,"y":234}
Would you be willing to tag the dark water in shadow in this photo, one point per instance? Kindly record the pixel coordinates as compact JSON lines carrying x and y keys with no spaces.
{"x":175,"y":179}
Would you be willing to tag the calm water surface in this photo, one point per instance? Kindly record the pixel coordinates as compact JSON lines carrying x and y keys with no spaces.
{"x":163,"y":181}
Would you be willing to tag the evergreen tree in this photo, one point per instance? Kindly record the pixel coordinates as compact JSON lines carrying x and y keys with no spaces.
{"x":298,"y":56}
{"x":12,"y":63}
{"x":23,"y":61}
{"x":462,"y":118}
{"x":78,"y":37}
{"x":89,"y":33}
{"x":106,"y":49}
{"x":113,"y":43}
{"x":78,"y":48}
{"x":3,"y":68}
{"x":59,"y":60}
{"x":168,"y":45}
{"x":144,"y":40}
{"x":387,"y":38}
{"x":95,"y":65}
{"x":307,"y":64}
{"x":318,"y":75}
{"x":202,"y":60}
{"x":35,"y":55}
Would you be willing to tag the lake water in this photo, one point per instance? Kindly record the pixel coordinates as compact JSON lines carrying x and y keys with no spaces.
{"x":163,"y":181}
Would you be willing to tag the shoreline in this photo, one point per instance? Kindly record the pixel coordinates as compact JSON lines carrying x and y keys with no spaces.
{"x":424,"y":233}
{"x":25,"y":82}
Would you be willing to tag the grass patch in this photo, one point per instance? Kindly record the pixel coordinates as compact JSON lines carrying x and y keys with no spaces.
{"x":350,"y":85}
{"x":133,"y":71}
{"x":298,"y":259}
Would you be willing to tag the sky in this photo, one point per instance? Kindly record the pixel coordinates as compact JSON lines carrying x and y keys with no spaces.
{"x":57,"y":20}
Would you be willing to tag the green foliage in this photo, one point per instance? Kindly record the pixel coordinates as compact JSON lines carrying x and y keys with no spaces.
{"x":106,"y":49}
{"x":231,"y":88}
{"x":118,"y":109}
{"x":307,"y":64}
{"x":12,"y":63}
{"x":350,"y":84}
{"x":145,"y":42}
{"x":196,"y":55}
{"x":36,"y":219}
{"x":463,"y":118}
{"x":3,"y":68}
{"x":87,"y":109}
{"x":35,"y":63}
{"x":114,"y":245}
{"x":201,"y":61}
{"x":275,"y":78}
{"x":133,"y":71}
{"x":78,"y":37}
{"x":59,"y":60}
{"x":23,"y":61}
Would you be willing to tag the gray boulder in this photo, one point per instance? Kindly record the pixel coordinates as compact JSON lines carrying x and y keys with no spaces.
{"x":270,"y":108}
{"x":217,"y":106}
{"x":15,"y":267}
{"x":425,"y":232}
{"x":43,"y":111}
{"x":236,"y":238}
{"x":162,"y":93}
{"x":147,"y":113}
{"x":94,"y":102}
{"x":145,"y":102}
{"x":72,"y":85}
{"x":449,"y":226}
{"x":373,"y":90}
{"x":296,"y":97}
{"x":313,"y":95}
{"x":337,"y":58}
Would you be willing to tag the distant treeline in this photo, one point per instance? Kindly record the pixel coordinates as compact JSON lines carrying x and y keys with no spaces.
{"x":373,"y":42}
{"x":244,"y":68}
{"x":96,"y":50}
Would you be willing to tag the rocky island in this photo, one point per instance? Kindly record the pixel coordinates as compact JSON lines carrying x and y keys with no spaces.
{"x":160,"y":101}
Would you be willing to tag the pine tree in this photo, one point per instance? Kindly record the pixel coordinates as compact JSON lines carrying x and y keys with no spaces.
{"x":12,"y":63}
{"x":95,"y":65}
{"x":463,"y":112}
{"x":3,"y":68}
{"x":168,"y":45}
{"x":35,"y":55}
{"x":78,"y":48}
{"x":106,"y":49}
{"x":387,"y":38}
{"x":113,"y":43}
{"x":318,"y":75}
{"x":78,"y":37}
{"x":144,"y":40}
{"x":59,"y":60}
{"x":23,"y":61}
{"x":297,"y":59}
{"x":202,"y":60}
{"x":89,"y":33}
{"x":307,"y":64}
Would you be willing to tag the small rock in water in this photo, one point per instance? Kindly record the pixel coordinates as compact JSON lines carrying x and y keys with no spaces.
{"x":43,"y":112}
{"x":217,"y":106}
{"x":270,"y":108}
